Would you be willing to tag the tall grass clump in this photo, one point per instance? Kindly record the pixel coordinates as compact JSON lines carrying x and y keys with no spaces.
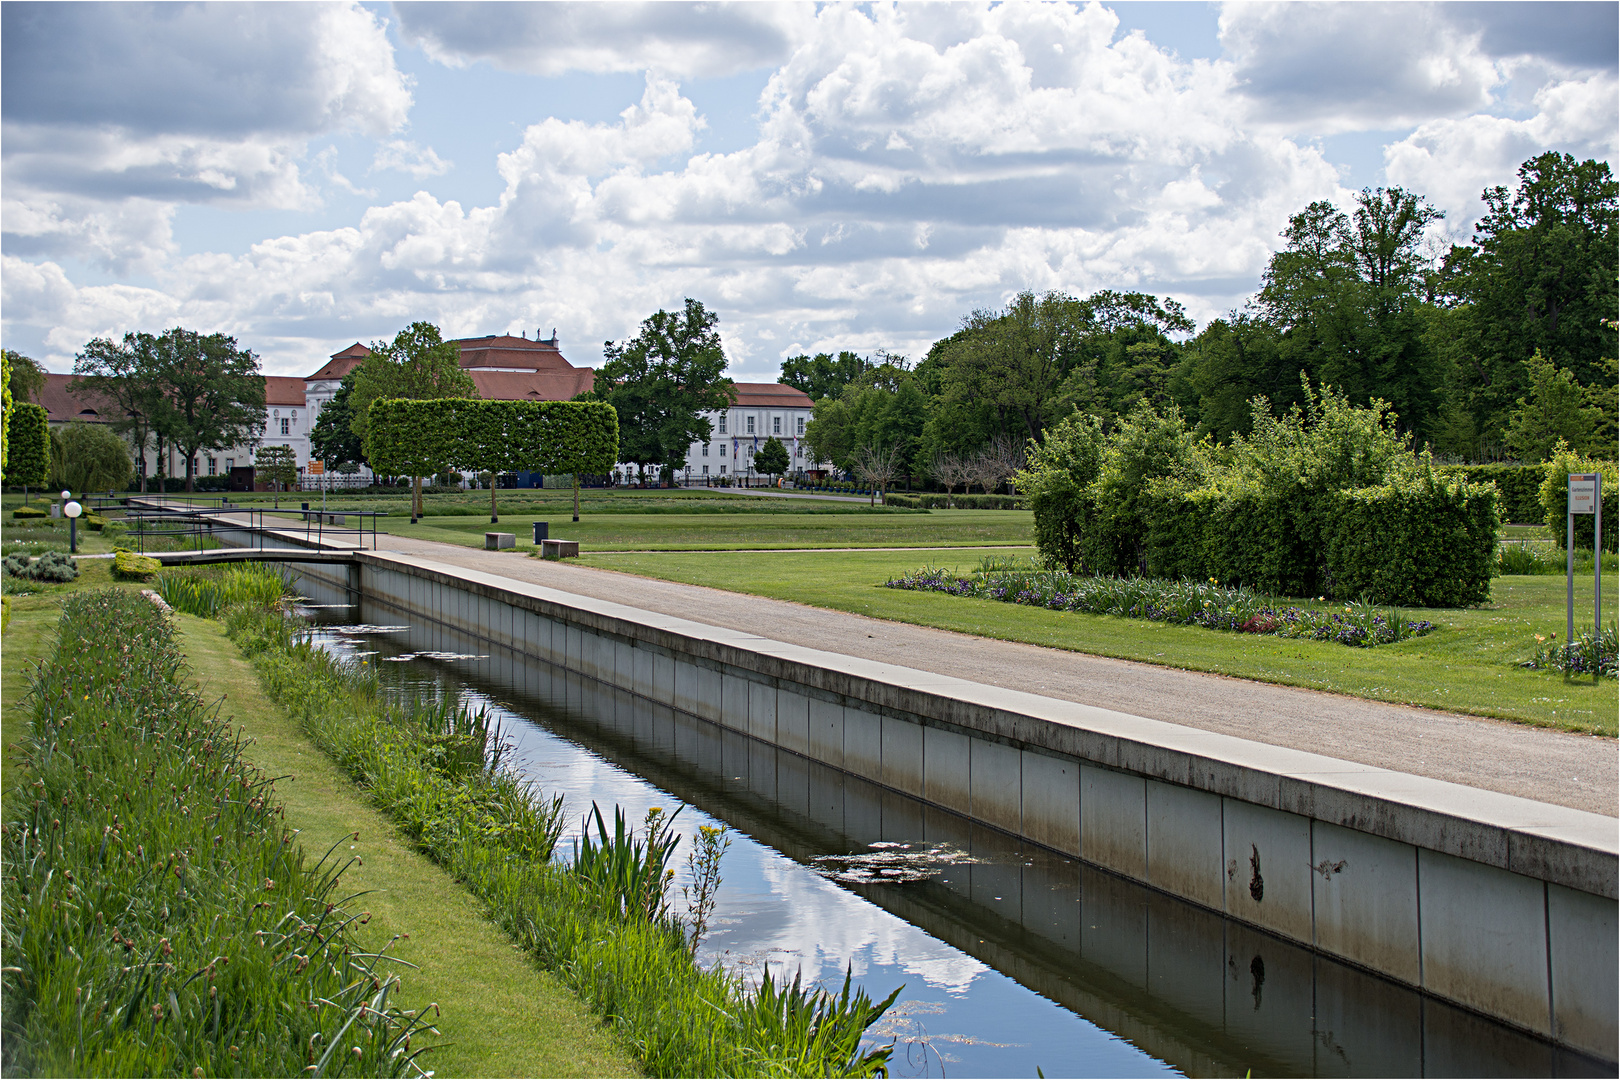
{"x":601,"y":920}
{"x":1186,"y":603}
{"x":158,"y":918}
{"x":207,"y":593}
{"x":1591,"y":653}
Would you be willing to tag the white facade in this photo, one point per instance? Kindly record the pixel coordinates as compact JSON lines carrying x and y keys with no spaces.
{"x":761,"y":411}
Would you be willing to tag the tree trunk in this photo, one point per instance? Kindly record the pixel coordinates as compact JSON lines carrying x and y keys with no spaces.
{"x":494,"y":515}
{"x":576,"y":496}
{"x":191,"y":481}
{"x":416,"y":498}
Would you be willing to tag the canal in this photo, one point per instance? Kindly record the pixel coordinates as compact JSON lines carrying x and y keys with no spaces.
{"x":1014,"y":960}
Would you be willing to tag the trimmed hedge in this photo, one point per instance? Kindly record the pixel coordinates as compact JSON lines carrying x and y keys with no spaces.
{"x":1424,"y":541}
{"x":28,"y":444}
{"x":29,"y":512}
{"x":957,"y":502}
{"x":420,"y":438}
{"x":1518,"y":488}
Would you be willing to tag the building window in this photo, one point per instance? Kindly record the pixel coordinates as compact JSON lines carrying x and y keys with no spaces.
{"x":705,"y":470}
{"x":213,"y":465}
{"x":722,"y":469}
{"x":196,"y":466}
{"x":722,"y":423}
{"x":286,"y":426}
{"x":776,"y":425}
{"x":230,"y":463}
{"x":801,"y":425}
{"x":750,"y":425}
{"x":705,"y":449}
{"x":798,"y":452}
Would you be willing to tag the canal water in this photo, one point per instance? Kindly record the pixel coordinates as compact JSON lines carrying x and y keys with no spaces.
{"x":1014,"y":961}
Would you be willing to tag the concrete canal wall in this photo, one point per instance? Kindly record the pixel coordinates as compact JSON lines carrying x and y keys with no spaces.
{"x":1500,"y":904}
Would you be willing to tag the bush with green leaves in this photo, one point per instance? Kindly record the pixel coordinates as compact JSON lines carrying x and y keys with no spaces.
{"x":53,"y":567}
{"x":1554,"y":493}
{"x":28,"y":445}
{"x":1317,"y":500}
{"x":1518,"y":488}
{"x":128,"y":566}
{"x":90,"y":457}
{"x":30,"y":512}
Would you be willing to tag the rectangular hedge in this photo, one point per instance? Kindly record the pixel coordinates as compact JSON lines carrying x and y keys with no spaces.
{"x":935,"y":501}
{"x":1518,"y":488}
{"x":1418,"y":541}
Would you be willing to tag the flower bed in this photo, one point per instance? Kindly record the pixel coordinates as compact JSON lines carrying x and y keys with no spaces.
{"x":1207,"y":604}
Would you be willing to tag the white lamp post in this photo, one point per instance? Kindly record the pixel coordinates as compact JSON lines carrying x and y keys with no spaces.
{"x":72,"y":510}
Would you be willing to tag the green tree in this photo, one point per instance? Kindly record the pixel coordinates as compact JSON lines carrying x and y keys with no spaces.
{"x":24,"y":378}
{"x":772,"y":458}
{"x":89,"y":457}
{"x":662,"y":381}
{"x":333,"y":440}
{"x":5,"y":408}
{"x":28,"y":442}
{"x":1557,"y":409}
{"x":210,"y":393}
{"x":1346,"y":296}
{"x":278,"y":465}
{"x":418,"y":365}
{"x":1231,"y":362}
{"x":1541,"y":276}
{"x":125,"y":376}
{"x":823,"y":375}
{"x":884,"y":410}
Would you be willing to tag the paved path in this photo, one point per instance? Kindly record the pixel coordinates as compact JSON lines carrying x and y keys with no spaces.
{"x":1578,"y":771}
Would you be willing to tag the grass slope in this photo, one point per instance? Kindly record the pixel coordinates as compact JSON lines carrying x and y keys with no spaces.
{"x":1467,"y":666}
{"x":502,"y":1015}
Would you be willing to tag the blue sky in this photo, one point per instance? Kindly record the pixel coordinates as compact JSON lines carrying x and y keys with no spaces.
{"x":822,"y":176}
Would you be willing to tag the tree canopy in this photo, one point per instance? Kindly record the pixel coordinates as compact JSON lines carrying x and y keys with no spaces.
{"x":662,"y":381}
{"x":823,"y":375}
{"x":127,"y":376}
{"x":332,"y":439}
{"x":211,"y":393}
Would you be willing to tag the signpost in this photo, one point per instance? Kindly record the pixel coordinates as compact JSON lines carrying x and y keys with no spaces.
{"x":1585,"y":497}
{"x":318,"y":468}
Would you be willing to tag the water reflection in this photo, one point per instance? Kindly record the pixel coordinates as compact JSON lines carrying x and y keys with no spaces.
{"x":1014,"y":959}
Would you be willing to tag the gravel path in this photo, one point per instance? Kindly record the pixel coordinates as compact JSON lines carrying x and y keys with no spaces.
{"x":1579,"y":771}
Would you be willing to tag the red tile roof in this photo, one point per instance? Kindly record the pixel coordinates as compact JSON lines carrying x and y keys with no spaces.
{"x":506,"y":351}
{"x":771,"y":396}
{"x":533,"y":386}
{"x":341,"y":363}
{"x":281,"y":390}
{"x":62,"y":405}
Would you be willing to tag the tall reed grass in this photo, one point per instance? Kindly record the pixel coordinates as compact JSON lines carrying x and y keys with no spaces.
{"x":158,"y":918}
{"x":208,"y":592}
{"x":1188,"y":603}
{"x":602,"y":920}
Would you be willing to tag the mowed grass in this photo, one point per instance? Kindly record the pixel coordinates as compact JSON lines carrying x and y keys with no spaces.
{"x":739,"y":531}
{"x":502,"y":1016}
{"x":1469,"y":665}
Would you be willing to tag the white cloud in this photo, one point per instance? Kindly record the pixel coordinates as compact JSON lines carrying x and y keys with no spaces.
{"x":555,"y":38}
{"x":407,"y":157}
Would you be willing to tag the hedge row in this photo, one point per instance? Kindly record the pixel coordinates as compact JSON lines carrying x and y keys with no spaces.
{"x":958,"y":502}
{"x":421,"y":438}
{"x":1518,"y":488}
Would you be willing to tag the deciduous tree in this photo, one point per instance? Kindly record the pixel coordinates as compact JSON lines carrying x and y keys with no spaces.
{"x":210,"y":393}
{"x":125,"y":376}
{"x":278,"y":465}
{"x":772,"y":458}
{"x":333,"y":439}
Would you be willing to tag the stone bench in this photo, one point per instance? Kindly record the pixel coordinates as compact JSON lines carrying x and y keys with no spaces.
{"x":495,"y":541}
{"x":559,"y":549}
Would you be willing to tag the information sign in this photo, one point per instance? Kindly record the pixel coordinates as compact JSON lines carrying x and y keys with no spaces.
{"x":316,"y":468}
{"x":1583,"y":493}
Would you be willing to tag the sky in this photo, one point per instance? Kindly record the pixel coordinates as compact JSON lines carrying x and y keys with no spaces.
{"x":821,"y":176}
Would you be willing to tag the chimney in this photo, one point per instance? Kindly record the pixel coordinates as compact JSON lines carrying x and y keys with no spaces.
{"x":525,"y":334}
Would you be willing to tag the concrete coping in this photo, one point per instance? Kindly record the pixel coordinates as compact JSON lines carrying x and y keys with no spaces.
{"x":1575,"y":848}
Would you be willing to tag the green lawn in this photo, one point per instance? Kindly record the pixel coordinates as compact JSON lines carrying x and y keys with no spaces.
{"x":501,"y":1016}
{"x":733,"y":531}
{"x":1467,"y":666}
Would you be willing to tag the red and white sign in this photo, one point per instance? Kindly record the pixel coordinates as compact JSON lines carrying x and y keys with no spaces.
{"x":1583,"y":493}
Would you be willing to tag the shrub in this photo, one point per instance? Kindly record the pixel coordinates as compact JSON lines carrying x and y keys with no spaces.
{"x":931,"y":501}
{"x":1426,"y":541}
{"x":30,"y":512}
{"x":52,"y":567}
{"x":1518,"y":488}
{"x":128,"y":566}
{"x":1555,"y":498}
{"x":1589,"y":654}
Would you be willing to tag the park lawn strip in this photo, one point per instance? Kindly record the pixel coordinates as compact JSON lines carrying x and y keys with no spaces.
{"x":502,"y":1015}
{"x":732,"y":532}
{"x":1468,"y":665}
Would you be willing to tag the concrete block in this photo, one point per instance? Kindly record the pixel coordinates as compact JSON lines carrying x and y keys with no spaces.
{"x":1113,"y":821}
{"x":792,"y":721}
{"x":1269,"y":987}
{"x":1366,"y":1026}
{"x":1050,"y":809}
{"x":624,"y":665}
{"x":733,"y":702}
{"x":663,"y":678}
{"x":863,"y":743}
{"x":1585,"y":969}
{"x":1484,"y":938}
{"x":947,"y":769}
{"x":1114,"y":925}
{"x":1365,"y":892}
{"x":495,"y":541}
{"x":1268,"y":868}
{"x":903,"y":755}
{"x":642,"y":665}
{"x":826,"y":732}
{"x":1186,"y":958}
{"x":995,"y":783}
{"x":762,"y":712}
{"x":574,"y":641}
{"x":1184,"y":843}
{"x":697,"y":691}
